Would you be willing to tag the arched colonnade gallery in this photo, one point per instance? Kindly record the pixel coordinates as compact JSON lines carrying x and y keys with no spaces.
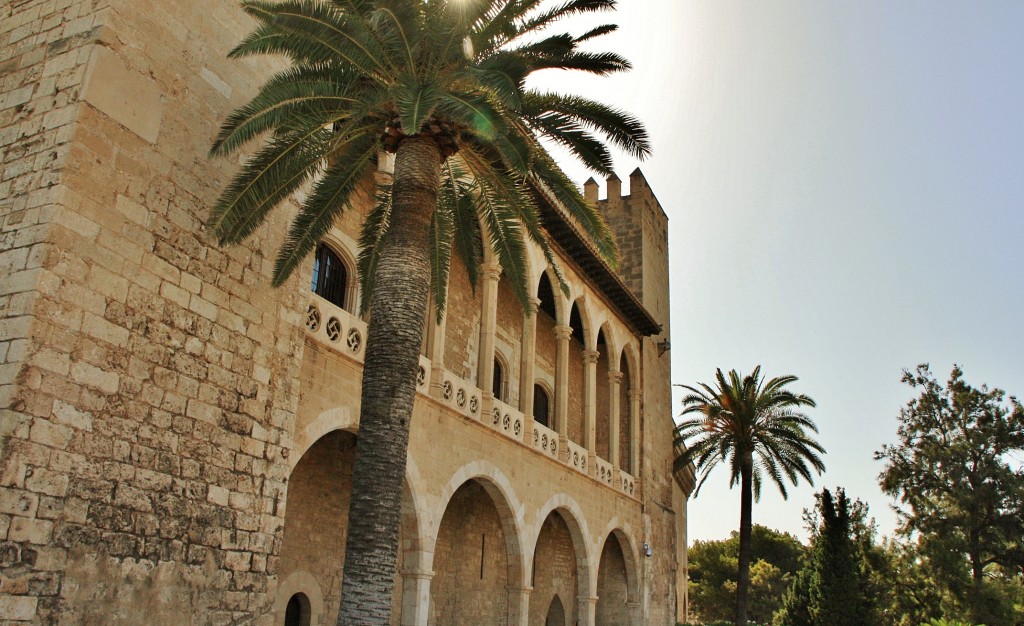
{"x":570,"y":369}
{"x":472,"y":553}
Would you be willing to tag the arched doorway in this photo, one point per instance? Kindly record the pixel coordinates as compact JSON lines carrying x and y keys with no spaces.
{"x":612,"y":586}
{"x":554,"y":573}
{"x":556,"y":613}
{"x":316,"y":528}
{"x":297,"y":613}
{"x":471,"y":563}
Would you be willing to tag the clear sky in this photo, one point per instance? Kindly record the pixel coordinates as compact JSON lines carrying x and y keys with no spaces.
{"x":845,"y":188}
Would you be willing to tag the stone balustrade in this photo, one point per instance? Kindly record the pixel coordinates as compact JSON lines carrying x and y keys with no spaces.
{"x":336,"y":328}
{"x":345,"y":334}
{"x":461,"y":395}
{"x":505,"y":420}
{"x":604,"y":471}
{"x":545,"y":440}
{"x":423,"y":376}
{"x":576,"y":457}
{"x":628,"y":484}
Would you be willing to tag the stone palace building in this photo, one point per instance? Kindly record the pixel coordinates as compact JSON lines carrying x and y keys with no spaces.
{"x":176,"y":437}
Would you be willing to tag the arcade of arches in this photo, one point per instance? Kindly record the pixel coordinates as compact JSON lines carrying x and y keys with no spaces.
{"x":477,"y":561}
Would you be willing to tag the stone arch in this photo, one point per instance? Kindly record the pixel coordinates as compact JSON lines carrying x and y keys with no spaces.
{"x":548,"y":417}
{"x":338,"y":418}
{"x":632,"y":357}
{"x":500,"y":377}
{"x":576,"y":381}
{"x":570,"y":512}
{"x":611,"y":338}
{"x":589,"y":338}
{"x":299,"y":581}
{"x":613,"y":604}
{"x":315,"y":519}
{"x":556,"y":613}
{"x":560,"y":301}
{"x":629,"y":424}
{"x":625,"y":536}
{"x":473,"y":581}
{"x":549,"y":312}
{"x":510,"y":511}
{"x":603,"y":436}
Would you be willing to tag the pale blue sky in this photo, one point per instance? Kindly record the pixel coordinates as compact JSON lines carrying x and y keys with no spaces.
{"x":844,"y":183}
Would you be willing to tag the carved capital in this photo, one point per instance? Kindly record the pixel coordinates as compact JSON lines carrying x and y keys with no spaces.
{"x":590,"y":357}
{"x":490,"y":271}
{"x":562,"y":333}
{"x":615,"y":377}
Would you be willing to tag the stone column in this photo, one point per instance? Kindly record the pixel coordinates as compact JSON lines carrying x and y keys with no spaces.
{"x":435,"y":346}
{"x":634,"y":613}
{"x":634,"y":432}
{"x":590,"y":358}
{"x":562,"y":334}
{"x":416,"y":598}
{"x":526,"y":372}
{"x":587,"y":611}
{"x":488,"y":319}
{"x":519,"y":606}
{"x":614,"y":380}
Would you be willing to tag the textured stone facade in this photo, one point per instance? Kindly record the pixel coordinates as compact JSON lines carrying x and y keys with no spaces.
{"x":175,"y":435}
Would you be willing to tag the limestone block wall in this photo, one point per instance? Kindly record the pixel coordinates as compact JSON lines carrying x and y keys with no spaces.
{"x":150,"y":396}
{"x":462,"y":336}
{"x":641,"y":228}
{"x":155,"y":393}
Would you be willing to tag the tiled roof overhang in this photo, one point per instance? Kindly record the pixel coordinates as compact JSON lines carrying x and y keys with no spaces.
{"x":571,"y":238}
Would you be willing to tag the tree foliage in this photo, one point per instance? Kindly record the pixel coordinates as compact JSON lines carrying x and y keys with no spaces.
{"x":962,"y":498}
{"x":833,"y":586}
{"x":775,"y":556}
{"x":443,"y":86}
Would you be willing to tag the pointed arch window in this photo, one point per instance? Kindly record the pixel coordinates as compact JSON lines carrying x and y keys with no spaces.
{"x":297,"y":612}
{"x":330,"y":277}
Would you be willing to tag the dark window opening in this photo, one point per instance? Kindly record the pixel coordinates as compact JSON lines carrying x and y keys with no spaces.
{"x":330,"y":278}
{"x":546,"y":297}
{"x":576,"y":324}
{"x":297,"y":612}
{"x":498,"y":384}
{"x":540,"y":406}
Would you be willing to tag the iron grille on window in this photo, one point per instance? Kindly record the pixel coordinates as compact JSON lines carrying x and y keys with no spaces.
{"x":330,"y":279}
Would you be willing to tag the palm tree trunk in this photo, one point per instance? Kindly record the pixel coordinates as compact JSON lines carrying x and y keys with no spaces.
{"x":397,"y":310}
{"x":746,"y":509}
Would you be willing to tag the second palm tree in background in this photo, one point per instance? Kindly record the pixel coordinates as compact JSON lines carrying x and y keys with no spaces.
{"x":756,"y":428}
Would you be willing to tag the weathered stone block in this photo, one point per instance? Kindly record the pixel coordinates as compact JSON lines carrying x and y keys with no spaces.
{"x":125,"y":95}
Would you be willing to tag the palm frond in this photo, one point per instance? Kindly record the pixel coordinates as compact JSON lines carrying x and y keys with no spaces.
{"x":265,"y":180}
{"x":331,"y":196}
{"x":304,"y":91}
{"x":623,"y":130}
{"x":375,"y":228}
{"x":585,"y":213}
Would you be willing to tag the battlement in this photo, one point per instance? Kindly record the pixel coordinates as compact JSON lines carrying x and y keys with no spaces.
{"x":639,"y":190}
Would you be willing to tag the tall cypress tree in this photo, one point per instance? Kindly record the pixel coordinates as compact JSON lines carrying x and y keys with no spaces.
{"x":829,"y":590}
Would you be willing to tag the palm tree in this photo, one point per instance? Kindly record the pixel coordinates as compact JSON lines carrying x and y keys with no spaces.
{"x":440,"y":84}
{"x":755,"y":427}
